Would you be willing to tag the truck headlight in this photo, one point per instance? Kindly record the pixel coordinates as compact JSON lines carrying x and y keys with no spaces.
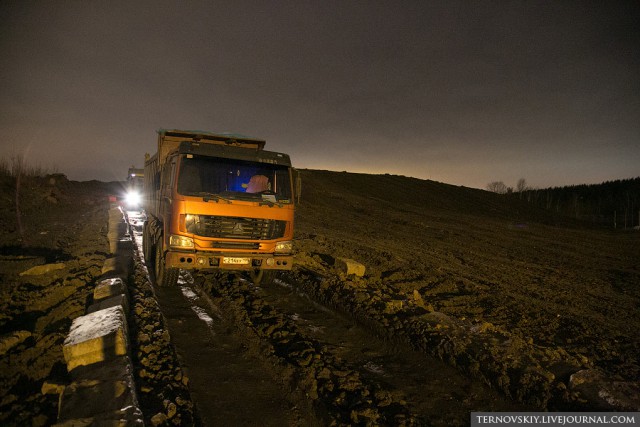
{"x":284,"y":247}
{"x":191,"y":222}
{"x":180,"y":241}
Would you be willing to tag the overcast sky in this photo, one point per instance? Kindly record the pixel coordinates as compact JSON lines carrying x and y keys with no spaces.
{"x":462,"y":92}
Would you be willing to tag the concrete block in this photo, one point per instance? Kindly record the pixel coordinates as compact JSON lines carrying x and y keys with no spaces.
{"x":117,"y":232}
{"x":121,"y":228}
{"x":111,"y":402}
{"x":349,"y":266}
{"x":117,"y":266}
{"x":73,"y":410}
{"x":116,"y":213}
{"x":121,"y":246}
{"x":119,"y":367}
{"x":108,"y":288}
{"x":118,"y":300}
{"x":96,"y":337}
{"x":44,"y":269}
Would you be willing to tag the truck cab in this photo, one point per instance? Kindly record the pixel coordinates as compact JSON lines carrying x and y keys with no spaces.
{"x":217,"y":201}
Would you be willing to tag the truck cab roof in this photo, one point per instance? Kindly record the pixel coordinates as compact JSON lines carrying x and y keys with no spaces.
{"x":212,"y":137}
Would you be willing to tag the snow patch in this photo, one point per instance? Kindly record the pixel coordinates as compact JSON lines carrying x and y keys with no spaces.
{"x":202,"y":315}
{"x":200,"y":312}
{"x":98,"y":324}
{"x":373,"y":368}
{"x":188,"y":293}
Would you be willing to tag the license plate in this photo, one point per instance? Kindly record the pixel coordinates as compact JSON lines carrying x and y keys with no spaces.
{"x":236,"y":261}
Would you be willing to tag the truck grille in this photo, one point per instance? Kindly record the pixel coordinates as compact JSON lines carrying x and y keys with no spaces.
{"x":237,"y":228}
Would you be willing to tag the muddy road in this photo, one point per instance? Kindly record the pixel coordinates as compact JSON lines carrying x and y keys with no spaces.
{"x":276,"y":356}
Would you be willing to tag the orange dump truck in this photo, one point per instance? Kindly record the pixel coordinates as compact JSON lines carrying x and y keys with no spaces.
{"x":217,"y":201}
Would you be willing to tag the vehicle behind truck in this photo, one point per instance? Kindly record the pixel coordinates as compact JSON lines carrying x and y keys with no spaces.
{"x":133,"y":188}
{"x":217,"y":201}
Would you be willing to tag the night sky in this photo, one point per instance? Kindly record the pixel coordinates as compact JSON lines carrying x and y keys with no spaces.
{"x":459,"y":92}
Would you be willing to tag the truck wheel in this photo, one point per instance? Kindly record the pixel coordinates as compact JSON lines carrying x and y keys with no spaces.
{"x":262,"y":277}
{"x":164,"y":276}
{"x":146,"y":246}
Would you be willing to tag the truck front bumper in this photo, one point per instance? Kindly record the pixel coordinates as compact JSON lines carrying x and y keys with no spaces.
{"x":201,"y":260}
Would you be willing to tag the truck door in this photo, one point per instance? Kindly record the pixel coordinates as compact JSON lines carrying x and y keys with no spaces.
{"x":166,"y":191}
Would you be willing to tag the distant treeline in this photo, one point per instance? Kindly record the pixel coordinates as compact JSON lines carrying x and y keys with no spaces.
{"x":613,"y":203}
{"x":17,"y":166}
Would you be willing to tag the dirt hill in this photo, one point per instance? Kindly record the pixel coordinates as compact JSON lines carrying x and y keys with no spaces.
{"x":472,"y":254}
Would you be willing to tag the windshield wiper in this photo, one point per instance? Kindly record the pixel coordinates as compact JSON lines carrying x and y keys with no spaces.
{"x":270,"y":200}
{"x":211,"y":196}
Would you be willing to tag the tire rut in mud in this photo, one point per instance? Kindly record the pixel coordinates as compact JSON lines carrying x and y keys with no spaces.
{"x":385,"y":384}
{"x":194,"y":367}
{"x":436,"y":391}
{"x":528,"y":374}
{"x":344,"y":387}
{"x":339,"y":393}
{"x":162,"y":385}
{"x":228,"y":372}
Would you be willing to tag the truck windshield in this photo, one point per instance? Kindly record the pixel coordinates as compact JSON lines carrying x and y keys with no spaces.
{"x":233,"y":179}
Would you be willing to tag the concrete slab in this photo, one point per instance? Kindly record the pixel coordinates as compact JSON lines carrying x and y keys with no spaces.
{"x":114,"y":301}
{"x":118,"y":229}
{"x":113,"y":385}
{"x":119,"y":367}
{"x":108,"y":288}
{"x":116,"y":214}
{"x":349,"y":266}
{"x":96,"y":337}
{"x":117,"y":265}
{"x":111,"y":402}
{"x":121,"y":245}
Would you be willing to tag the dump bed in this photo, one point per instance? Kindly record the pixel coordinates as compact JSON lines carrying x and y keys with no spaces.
{"x":170,"y":140}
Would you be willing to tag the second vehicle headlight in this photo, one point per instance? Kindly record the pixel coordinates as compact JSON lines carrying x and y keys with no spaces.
{"x":133,"y":198}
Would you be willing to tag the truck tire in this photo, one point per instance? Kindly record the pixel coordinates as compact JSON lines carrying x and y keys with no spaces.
{"x":147,"y":248}
{"x":263,"y":277}
{"x":165,"y":277}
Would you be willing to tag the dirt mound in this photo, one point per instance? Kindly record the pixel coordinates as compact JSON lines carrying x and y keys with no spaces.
{"x":551,"y":283}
